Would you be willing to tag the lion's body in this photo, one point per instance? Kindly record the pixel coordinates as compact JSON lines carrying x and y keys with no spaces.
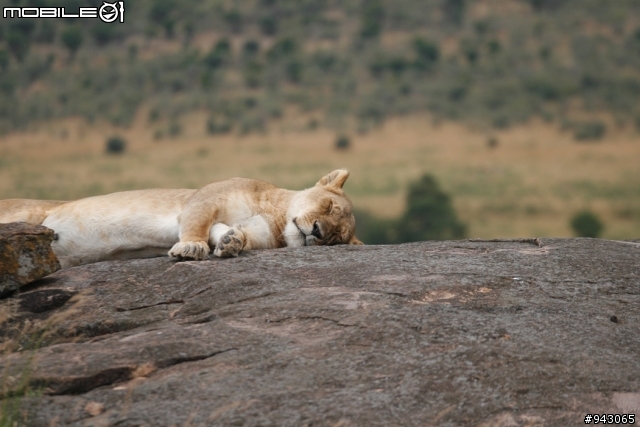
{"x":232,"y":215}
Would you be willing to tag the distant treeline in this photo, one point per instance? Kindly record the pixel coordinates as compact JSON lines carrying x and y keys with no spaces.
{"x":364,"y":59}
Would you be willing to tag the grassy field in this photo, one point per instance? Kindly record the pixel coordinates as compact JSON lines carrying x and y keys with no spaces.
{"x":529,"y":184}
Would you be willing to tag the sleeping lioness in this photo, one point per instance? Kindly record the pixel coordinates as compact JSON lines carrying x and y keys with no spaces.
{"x":230,"y":216}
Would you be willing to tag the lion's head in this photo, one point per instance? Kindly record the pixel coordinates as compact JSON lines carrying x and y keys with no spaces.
{"x":322,"y":215}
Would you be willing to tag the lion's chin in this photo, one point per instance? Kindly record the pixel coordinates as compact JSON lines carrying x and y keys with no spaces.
{"x":293,"y":236}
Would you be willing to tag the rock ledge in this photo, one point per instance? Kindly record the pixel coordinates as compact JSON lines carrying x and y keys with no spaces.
{"x":489,"y":333}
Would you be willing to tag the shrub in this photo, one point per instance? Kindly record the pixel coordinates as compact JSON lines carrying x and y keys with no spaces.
{"x":294,"y":71}
{"x":252,"y":74}
{"x":541,"y":5}
{"x":586,"y":224}
{"x":269,"y":25}
{"x":282,"y":48}
{"x":115,"y":145}
{"x":454,"y":11}
{"x":72,"y":39}
{"x":233,"y":18}
{"x":251,"y":48}
{"x":469,"y":49}
{"x":325,"y":60}
{"x":427,"y":53}
{"x":4,"y":59}
{"x":218,"y":55}
{"x":162,"y":13}
{"x":589,"y":131}
{"x":458,"y":93}
{"x":494,"y":46}
{"x":429,"y":215}
{"x":18,"y":44}
{"x":175,"y":129}
{"x":372,"y":19}
{"x":103,"y":33}
{"x":343,"y":142}
{"x":215,"y":127}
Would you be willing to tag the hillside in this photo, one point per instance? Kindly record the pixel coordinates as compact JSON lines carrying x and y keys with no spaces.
{"x":354,"y":63}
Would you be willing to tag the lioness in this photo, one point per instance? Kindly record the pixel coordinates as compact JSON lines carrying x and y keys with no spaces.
{"x":232,"y":215}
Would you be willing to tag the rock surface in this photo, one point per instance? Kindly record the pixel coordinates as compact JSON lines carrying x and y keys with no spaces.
{"x":25,"y":255}
{"x":481,"y":333}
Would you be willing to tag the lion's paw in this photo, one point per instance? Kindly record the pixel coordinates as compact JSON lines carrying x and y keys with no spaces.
{"x":190,"y":250}
{"x":229,"y":245}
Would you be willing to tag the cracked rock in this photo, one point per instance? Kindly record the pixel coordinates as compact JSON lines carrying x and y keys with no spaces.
{"x":491,"y":333}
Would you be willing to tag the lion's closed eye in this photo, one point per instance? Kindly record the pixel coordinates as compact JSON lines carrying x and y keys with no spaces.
{"x":328,"y":206}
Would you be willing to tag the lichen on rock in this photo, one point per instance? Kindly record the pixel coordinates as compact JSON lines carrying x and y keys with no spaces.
{"x":25,"y":255}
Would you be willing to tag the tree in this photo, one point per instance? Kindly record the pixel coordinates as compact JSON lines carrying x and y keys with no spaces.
{"x":372,"y":19}
{"x":18,"y":44}
{"x":162,"y":13}
{"x":586,"y":224}
{"x":454,"y":11}
{"x":430,"y":214}
{"x":427,"y":53}
{"x":115,"y":145}
{"x":72,"y":39}
{"x":4,"y":59}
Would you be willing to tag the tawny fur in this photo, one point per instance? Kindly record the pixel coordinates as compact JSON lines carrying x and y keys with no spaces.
{"x":227,"y":216}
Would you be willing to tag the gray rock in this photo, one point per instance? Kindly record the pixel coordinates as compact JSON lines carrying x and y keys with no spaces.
{"x":25,"y":255}
{"x":489,"y":333}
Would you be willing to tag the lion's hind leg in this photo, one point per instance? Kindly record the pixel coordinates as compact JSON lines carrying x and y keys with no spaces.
{"x":24,"y":210}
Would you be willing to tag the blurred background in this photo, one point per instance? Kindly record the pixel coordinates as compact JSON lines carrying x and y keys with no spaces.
{"x":457,"y":118}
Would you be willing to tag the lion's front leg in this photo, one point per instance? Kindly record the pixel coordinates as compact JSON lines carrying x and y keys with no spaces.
{"x":230,"y":243}
{"x":253,"y":233}
{"x":190,"y":250}
{"x":195,"y":222}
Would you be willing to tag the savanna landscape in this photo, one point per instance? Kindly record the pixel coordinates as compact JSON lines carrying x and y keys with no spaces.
{"x":524,"y":112}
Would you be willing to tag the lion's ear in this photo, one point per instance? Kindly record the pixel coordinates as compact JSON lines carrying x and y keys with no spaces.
{"x":355,"y":241}
{"x":334,"y":179}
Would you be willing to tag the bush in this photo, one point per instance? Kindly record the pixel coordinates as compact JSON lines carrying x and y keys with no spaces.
{"x":4,"y":59}
{"x":454,"y":11}
{"x":103,"y":33}
{"x":269,"y":25}
{"x":18,"y":44}
{"x":252,"y":74}
{"x":219,"y":55}
{"x":175,"y":129}
{"x":116,"y":145}
{"x":251,"y":48}
{"x":372,"y":19}
{"x":343,"y":142}
{"x":233,"y":19}
{"x":162,"y":13}
{"x":72,"y":39}
{"x":427,"y":53}
{"x":282,"y":48}
{"x":586,"y":224}
{"x":293,"y":71}
{"x":215,"y":127}
{"x":589,"y":131}
{"x":429,"y":215}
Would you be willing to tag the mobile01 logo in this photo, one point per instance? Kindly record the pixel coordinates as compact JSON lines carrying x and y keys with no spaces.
{"x":108,"y":12}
